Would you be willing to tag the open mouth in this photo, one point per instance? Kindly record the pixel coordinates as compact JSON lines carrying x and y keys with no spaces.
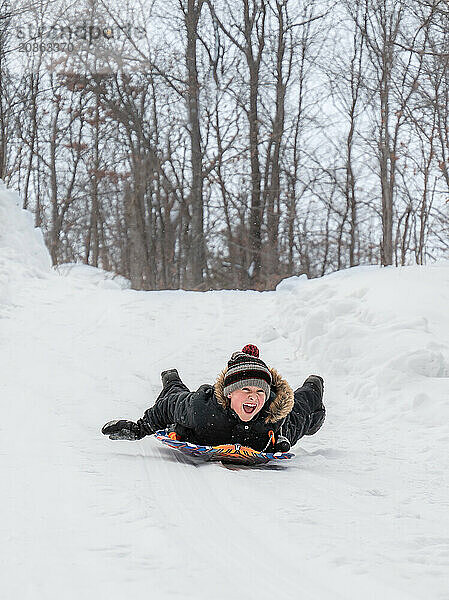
{"x":249,"y":407}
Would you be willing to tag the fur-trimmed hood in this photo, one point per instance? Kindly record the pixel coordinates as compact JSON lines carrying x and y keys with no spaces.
{"x":278,"y":405}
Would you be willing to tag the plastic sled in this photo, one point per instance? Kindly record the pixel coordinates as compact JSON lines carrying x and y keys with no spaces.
{"x":227,"y":453}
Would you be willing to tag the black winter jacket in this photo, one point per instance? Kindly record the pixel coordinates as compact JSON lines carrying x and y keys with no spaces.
{"x":205,"y":416}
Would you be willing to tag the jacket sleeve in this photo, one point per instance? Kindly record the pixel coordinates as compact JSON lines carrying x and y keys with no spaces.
{"x":307,"y":415}
{"x":175,"y":404}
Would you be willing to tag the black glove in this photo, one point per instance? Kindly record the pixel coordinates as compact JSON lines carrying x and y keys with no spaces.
{"x":123,"y":430}
{"x":282,"y":444}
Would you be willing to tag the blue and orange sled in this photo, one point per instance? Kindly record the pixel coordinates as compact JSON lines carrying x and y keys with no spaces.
{"x":227,"y":453}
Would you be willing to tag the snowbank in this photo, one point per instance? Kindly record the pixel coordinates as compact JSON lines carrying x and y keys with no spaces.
{"x":23,"y":253}
{"x":22,"y":248}
{"x":382,"y":333}
{"x":93,"y":276}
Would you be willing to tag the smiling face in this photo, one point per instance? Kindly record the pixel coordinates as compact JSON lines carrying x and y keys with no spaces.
{"x":247,"y":402}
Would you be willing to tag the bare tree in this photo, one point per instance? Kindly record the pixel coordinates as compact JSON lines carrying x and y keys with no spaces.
{"x":283,"y":57}
{"x":251,"y":42}
{"x":192,"y":12}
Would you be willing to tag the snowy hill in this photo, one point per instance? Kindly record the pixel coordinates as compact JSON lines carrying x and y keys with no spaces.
{"x":22,"y":249}
{"x":361,"y":512}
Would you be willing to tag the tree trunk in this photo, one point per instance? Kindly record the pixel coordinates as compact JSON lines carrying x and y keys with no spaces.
{"x":273,"y":213}
{"x":197,"y":247}
{"x":256,"y":200}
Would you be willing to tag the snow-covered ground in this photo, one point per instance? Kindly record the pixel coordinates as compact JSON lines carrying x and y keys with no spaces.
{"x":362,"y":512}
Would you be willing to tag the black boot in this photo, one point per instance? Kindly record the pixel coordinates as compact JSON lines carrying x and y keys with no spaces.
{"x":317,"y":382}
{"x":168,"y":376}
{"x":317,"y":412}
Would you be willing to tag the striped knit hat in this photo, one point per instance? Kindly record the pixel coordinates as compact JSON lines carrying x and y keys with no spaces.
{"x":245,"y":368}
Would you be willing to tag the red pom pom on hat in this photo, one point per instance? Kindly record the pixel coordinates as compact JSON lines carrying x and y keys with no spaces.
{"x":251,"y":349}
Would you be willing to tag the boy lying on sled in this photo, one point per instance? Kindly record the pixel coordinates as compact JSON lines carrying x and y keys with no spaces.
{"x":250,"y":404}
